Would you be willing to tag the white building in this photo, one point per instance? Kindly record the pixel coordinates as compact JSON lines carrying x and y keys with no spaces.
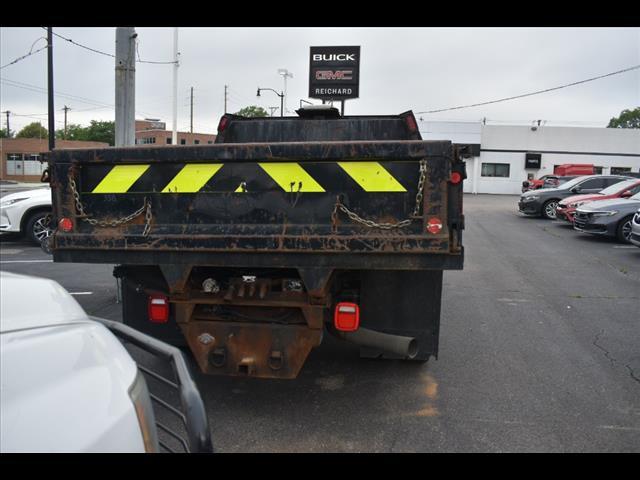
{"x":500,"y":168}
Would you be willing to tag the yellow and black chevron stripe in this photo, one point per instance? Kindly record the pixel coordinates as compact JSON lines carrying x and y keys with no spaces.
{"x":310,"y":177}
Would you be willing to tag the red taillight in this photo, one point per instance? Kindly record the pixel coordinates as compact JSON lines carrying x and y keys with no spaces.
{"x":65,"y":224}
{"x":346,"y":317}
{"x":411,"y":123}
{"x":223,"y":124}
{"x":158,"y":309}
{"x":456,"y":177}
{"x":434,"y":225}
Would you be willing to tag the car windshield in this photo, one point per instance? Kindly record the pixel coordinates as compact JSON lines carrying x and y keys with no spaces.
{"x":573,"y":182}
{"x":618,"y":187}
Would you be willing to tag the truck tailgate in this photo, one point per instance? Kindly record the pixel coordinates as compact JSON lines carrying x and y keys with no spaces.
{"x":349,"y":204}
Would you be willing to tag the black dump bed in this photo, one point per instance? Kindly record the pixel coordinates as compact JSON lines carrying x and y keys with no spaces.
{"x":288,"y":192}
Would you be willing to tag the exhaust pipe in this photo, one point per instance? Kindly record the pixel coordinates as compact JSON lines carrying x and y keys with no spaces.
{"x":403,"y":346}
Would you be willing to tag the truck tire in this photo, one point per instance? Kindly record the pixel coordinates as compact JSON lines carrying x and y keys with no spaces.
{"x":549,"y":209}
{"x":35,"y":227}
{"x":623,"y":232}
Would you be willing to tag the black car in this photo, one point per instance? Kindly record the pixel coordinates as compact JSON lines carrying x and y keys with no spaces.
{"x":543,"y":202}
{"x":611,"y":218}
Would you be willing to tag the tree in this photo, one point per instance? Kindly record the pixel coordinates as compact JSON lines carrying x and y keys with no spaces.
{"x":3,"y":133}
{"x":33,"y":130}
{"x":74,"y":132}
{"x":627,"y":119}
{"x":253,"y":111}
{"x":101,"y":132}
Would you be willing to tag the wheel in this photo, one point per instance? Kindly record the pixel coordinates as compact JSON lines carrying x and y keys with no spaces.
{"x":37,"y":228}
{"x":623,"y":232}
{"x":549,"y":209}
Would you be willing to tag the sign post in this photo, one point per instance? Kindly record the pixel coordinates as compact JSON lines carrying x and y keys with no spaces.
{"x":334,"y":73}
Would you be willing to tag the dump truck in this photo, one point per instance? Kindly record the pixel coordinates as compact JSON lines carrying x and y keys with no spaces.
{"x":286,"y":229}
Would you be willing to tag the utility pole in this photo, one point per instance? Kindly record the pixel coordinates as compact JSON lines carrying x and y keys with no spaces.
{"x":225,"y":98}
{"x":191,"y":109}
{"x":66,"y":109}
{"x":273,"y":109}
{"x":125,"y":86}
{"x":174,"y":134}
{"x":51,"y":113}
{"x":7,"y":112}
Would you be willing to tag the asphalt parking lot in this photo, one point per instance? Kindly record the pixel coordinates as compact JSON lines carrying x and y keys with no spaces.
{"x":539,"y":351}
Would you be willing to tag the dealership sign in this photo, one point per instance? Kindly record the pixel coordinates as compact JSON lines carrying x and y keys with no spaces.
{"x":334,"y":73}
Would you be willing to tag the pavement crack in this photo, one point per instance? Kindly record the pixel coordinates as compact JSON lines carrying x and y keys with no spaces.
{"x":611,"y":359}
{"x":606,"y":352}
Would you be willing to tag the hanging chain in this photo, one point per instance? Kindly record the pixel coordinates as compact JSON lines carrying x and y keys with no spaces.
{"x":384,"y":226}
{"x":146,"y":207}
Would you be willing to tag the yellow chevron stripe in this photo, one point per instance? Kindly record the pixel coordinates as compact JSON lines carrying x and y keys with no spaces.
{"x":285,"y":174}
{"x":372,"y":177}
{"x":192,"y":177}
{"x":120,"y":178}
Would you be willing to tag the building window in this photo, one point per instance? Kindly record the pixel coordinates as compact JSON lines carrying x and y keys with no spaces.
{"x":209,"y":142}
{"x":34,"y":156}
{"x":620,"y":170}
{"x":597,"y":170}
{"x":196,"y":142}
{"x":168,"y":141}
{"x":147,"y":140}
{"x":495,"y":170}
{"x":183,"y":141}
{"x":14,"y":156}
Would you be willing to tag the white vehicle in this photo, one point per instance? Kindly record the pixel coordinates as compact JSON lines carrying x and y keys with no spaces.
{"x":26,"y":212}
{"x":69,"y":385}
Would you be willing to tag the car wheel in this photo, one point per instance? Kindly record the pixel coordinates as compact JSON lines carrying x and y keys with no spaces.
{"x":623,"y":232}
{"x":549,"y":209}
{"x":37,"y":227}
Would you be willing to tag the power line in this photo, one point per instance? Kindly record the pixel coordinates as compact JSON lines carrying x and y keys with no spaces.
{"x":35,"y":88}
{"x":105,"y":53}
{"x":31,"y":52}
{"x":533,"y":93}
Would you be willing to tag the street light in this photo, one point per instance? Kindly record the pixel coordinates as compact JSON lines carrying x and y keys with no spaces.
{"x":281,"y":95}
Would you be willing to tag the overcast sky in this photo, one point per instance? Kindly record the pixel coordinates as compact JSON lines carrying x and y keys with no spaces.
{"x":401,"y":69}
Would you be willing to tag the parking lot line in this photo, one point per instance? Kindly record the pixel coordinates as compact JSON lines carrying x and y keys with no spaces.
{"x":26,"y":261}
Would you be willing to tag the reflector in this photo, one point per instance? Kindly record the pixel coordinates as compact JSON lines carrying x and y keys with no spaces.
{"x":65,"y":224}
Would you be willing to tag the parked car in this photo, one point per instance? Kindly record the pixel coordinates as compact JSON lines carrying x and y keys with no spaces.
{"x":547,"y":181}
{"x":69,"y":385}
{"x":567,"y":207}
{"x":544,"y":202}
{"x":635,"y":229}
{"x":611,"y":218}
{"x":26,"y":212}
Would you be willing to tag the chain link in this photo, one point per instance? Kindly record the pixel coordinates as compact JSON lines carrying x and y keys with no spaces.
{"x":146,"y":207}
{"x":384,"y":226}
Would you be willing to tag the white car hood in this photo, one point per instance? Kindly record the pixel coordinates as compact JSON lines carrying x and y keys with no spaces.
{"x":32,"y":302}
{"x":43,"y":192}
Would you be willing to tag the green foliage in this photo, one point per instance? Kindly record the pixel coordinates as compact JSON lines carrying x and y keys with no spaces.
{"x":33,"y":130}
{"x":627,"y":119}
{"x":97,"y":131}
{"x":3,"y":133}
{"x":74,"y":132}
{"x":102,"y":132}
{"x":252,"y":111}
